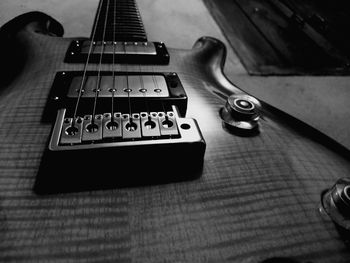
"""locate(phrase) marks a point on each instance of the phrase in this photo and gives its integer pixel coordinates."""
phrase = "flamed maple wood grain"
(257, 197)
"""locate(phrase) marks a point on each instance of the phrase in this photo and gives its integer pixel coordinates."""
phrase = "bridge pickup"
(119, 52)
(118, 158)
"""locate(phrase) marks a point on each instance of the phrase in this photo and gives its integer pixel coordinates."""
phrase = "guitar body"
(257, 197)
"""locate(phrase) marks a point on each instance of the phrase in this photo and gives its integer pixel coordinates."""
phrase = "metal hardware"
(135, 154)
(92, 130)
(120, 52)
(136, 48)
(112, 128)
(122, 127)
(335, 202)
(149, 88)
(168, 125)
(124, 86)
(150, 124)
(241, 114)
(71, 134)
(95, 138)
(131, 126)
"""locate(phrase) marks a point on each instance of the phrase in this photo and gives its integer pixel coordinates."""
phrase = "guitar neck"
(118, 20)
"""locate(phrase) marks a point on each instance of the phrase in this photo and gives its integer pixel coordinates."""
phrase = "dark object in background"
(287, 37)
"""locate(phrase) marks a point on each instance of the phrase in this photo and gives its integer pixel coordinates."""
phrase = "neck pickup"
(85, 51)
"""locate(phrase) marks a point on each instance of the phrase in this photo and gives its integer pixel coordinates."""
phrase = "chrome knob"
(241, 114)
(335, 202)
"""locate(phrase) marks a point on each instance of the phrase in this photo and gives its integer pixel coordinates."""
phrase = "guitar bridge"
(103, 128)
(153, 144)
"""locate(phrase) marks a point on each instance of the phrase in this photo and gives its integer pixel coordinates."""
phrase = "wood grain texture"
(257, 197)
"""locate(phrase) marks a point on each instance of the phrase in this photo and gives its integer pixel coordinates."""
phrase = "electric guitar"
(116, 148)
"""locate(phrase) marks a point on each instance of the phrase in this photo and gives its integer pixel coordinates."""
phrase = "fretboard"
(118, 20)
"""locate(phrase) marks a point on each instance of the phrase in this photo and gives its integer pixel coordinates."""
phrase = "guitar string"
(146, 103)
(123, 46)
(156, 85)
(128, 89)
(98, 83)
(113, 70)
(155, 81)
(83, 81)
(144, 92)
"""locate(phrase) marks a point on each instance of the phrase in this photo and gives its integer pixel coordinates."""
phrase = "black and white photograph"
(175, 131)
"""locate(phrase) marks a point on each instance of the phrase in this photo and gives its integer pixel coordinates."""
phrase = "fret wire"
(128, 20)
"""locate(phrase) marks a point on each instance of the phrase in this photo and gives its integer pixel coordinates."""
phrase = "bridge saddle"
(122, 127)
